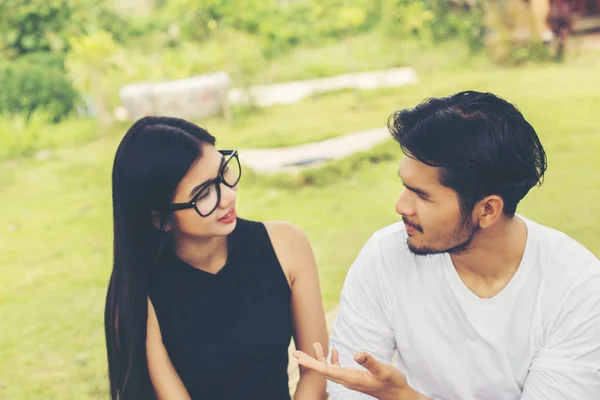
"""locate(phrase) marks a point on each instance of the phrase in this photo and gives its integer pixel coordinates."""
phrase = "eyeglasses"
(206, 201)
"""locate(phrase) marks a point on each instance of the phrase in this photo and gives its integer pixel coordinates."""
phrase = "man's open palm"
(379, 380)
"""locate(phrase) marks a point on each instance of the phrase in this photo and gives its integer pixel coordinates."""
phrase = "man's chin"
(460, 248)
(422, 250)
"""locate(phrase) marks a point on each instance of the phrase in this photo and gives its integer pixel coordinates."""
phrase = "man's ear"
(160, 222)
(489, 210)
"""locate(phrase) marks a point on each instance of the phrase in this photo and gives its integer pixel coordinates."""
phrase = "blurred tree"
(406, 18)
(279, 25)
(349, 18)
(90, 59)
(243, 58)
(195, 18)
(46, 25)
(463, 19)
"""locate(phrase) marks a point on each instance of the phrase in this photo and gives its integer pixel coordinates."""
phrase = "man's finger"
(318, 348)
(370, 363)
(335, 357)
(335, 373)
(309, 362)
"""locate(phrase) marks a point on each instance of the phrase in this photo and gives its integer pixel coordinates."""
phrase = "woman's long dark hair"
(153, 157)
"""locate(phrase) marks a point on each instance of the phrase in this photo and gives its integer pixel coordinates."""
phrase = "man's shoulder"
(391, 239)
(392, 231)
(559, 251)
(388, 246)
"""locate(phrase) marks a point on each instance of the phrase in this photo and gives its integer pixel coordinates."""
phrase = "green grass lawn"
(55, 235)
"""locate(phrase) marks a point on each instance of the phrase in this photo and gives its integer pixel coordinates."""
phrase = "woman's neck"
(207, 254)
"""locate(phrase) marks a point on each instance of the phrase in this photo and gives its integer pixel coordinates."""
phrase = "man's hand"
(380, 380)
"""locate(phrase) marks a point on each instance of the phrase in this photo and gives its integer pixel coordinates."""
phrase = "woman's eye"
(204, 193)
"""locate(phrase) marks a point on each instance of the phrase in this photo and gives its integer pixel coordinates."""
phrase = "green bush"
(47, 25)
(279, 27)
(406, 18)
(312, 22)
(435, 20)
(36, 82)
(463, 22)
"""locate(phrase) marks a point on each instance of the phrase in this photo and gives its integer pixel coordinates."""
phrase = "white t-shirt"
(539, 338)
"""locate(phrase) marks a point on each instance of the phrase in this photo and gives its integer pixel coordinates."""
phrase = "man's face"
(431, 212)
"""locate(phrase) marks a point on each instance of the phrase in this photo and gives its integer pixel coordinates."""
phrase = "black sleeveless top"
(227, 334)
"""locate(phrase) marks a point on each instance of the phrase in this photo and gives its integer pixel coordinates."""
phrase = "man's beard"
(466, 225)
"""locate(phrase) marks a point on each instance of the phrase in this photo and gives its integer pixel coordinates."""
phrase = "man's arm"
(363, 341)
(379, 380)
(365, 319)
(568, 364)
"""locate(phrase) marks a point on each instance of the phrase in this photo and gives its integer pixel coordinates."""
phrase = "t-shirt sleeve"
(568, 364)
(364, 320)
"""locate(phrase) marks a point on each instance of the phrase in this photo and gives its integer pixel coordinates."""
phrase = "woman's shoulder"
(287, 239)
(292, 247)
(275, 229)
(285, 232)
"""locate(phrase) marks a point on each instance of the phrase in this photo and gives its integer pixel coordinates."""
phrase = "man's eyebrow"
(418, 191)
(196, 189)
(413, 189)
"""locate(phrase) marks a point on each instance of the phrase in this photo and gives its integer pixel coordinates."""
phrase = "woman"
(202, 304)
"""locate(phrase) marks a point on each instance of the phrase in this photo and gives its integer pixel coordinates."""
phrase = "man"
(475, 301)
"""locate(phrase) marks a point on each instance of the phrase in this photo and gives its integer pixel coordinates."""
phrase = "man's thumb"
(369, 362)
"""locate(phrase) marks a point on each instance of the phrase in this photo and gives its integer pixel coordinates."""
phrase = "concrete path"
(311, 154)
(295, 91)
(202, 96)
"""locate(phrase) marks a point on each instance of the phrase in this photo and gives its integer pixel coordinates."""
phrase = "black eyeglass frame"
(216, 181)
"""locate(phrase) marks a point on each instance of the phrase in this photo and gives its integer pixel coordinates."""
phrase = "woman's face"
(222, 221)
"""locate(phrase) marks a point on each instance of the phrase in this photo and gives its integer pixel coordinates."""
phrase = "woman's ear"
(160, 222)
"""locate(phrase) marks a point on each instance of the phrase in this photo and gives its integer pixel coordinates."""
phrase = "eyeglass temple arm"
(179, 206)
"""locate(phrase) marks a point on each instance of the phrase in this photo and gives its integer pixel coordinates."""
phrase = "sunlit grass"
(55, 234)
